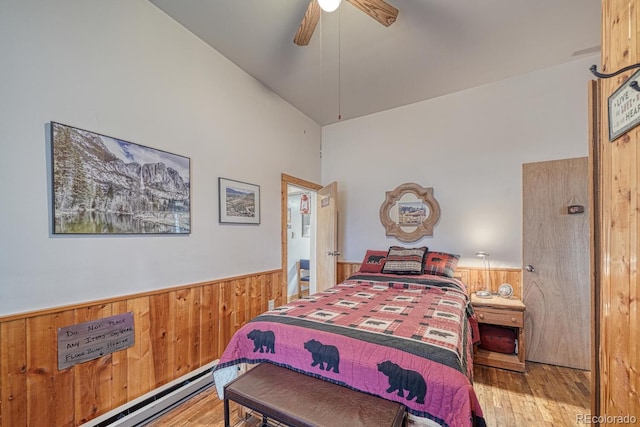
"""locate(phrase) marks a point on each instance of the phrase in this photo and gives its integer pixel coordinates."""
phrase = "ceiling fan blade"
(308, 24)
(379, 10)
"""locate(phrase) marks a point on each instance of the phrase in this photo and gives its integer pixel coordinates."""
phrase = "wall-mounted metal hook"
(634, 84)
(594, 70)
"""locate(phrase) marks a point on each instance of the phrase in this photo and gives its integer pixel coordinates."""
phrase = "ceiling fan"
(379, 10)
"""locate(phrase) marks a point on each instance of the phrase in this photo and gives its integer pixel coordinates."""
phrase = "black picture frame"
(105, 185)
(239, 202)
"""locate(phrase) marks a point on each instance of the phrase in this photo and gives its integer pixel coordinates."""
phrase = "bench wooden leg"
(226, 413)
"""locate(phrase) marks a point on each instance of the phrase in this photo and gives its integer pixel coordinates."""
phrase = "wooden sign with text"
(91, 340)
(624, 109)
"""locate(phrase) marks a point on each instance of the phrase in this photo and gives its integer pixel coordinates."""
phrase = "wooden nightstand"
(503, 312)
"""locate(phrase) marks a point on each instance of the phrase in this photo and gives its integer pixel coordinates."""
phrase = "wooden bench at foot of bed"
(299, 400)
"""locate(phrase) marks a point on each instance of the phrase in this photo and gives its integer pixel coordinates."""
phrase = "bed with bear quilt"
(403, 338)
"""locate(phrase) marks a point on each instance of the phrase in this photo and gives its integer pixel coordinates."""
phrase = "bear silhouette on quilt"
(327, 356)
(404, 379)
(263, 340)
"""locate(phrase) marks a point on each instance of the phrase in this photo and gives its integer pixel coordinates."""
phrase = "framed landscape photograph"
(306, 225)
(104, 185)
(411, 213)
(239, 202)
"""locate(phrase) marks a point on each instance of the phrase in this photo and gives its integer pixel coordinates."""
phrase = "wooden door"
(327, 237)
(556, 263)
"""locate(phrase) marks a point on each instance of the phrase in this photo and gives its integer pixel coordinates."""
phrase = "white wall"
(124, 69)
(469, 146)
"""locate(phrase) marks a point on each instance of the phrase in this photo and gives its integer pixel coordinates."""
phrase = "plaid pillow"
(404, 260)
(440, 263)
(373, 261)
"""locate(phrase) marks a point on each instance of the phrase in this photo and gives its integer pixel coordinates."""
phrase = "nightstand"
(502, 312)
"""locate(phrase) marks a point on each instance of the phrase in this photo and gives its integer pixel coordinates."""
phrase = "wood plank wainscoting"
(473, 277)
(177, 330)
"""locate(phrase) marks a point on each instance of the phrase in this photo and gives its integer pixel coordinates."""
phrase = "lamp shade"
(329, 5)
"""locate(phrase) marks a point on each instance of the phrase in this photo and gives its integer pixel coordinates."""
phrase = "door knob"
(333, 253)
(530, 268)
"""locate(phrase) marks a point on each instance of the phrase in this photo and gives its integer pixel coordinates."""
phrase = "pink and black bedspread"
(403, 338)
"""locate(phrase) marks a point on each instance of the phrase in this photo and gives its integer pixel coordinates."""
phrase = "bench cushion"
(300, 400)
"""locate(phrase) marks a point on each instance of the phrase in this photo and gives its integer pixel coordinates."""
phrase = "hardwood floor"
(544, 396)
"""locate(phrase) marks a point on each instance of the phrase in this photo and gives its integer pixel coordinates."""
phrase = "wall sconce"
(329, 5)
(486, 292)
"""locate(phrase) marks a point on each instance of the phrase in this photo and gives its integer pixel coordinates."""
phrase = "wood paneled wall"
(617, 222)
(473, 277)
(176, 331)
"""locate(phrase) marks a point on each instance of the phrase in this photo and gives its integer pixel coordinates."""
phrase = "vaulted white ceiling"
(354, 66)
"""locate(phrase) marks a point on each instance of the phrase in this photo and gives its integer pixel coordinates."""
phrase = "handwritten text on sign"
(624, 109)
(91, 340)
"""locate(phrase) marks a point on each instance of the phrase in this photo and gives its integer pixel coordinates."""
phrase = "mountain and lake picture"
(239, 202)
(103, 185)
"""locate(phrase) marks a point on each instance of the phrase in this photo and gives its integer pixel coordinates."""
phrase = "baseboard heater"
(150, 406)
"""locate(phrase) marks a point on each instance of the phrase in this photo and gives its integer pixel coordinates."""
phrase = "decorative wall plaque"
(90, 340)
(409, 212)
(624, 108)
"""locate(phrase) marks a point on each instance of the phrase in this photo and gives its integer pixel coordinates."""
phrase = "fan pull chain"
(339, 64)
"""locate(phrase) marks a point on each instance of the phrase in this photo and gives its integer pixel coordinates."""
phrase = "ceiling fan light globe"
(329, 5)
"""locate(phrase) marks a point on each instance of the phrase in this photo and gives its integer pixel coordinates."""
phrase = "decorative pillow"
(373, 261)
(404, 260)
(497, 338)
(440, 263)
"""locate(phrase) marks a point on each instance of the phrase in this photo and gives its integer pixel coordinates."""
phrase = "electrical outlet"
(272, 304)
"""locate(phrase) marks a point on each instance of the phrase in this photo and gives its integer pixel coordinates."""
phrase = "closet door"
(556, 263)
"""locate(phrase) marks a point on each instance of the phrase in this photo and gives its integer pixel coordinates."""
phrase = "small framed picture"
(306, 225)
(239, 202)
(411, 213)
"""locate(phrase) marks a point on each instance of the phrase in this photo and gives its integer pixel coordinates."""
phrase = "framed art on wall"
(409, 212)
(239, 202)
(306, 225)
(104, 185)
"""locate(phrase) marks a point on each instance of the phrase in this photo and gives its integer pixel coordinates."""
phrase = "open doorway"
(298, 234)
(300, 210)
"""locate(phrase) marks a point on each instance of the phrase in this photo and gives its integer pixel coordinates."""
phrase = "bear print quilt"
(403, 338)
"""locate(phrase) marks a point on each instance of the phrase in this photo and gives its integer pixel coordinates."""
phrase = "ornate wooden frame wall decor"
(427, 222)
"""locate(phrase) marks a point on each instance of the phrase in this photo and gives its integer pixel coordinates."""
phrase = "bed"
(403, 337)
